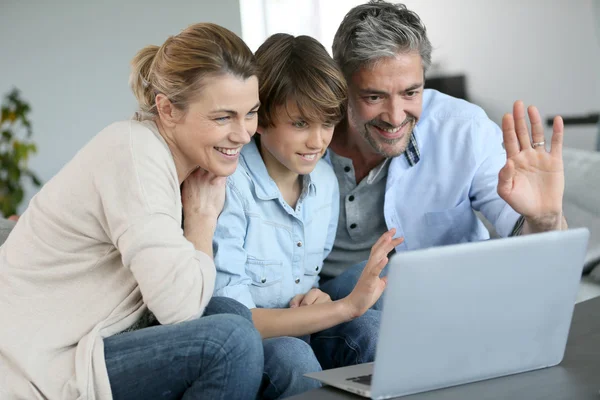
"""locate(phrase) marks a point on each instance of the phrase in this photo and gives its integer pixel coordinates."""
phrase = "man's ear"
(168, 113)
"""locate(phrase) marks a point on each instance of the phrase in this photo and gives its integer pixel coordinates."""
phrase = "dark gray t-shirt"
(361, 220)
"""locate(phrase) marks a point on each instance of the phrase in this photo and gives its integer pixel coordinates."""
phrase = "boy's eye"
(251, 114)
(300, 124)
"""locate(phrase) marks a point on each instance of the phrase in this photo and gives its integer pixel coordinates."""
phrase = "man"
(420, 161)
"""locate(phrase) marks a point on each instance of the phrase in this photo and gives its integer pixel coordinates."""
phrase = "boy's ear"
(260, 130)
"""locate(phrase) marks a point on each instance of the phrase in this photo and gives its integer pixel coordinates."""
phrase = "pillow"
(582, 200)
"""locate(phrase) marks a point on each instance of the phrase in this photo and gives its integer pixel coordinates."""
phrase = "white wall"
(70, 59)
(545, 52)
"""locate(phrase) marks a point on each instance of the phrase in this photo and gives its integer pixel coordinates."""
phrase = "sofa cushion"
(582, 200)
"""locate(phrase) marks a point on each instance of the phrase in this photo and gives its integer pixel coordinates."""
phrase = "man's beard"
(379, 143)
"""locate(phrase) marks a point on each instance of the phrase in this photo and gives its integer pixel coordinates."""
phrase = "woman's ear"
(169, 114)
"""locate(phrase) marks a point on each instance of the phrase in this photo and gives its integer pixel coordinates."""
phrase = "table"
(576, 377)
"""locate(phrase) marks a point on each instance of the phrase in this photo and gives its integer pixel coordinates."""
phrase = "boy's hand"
(314, 296)
(370, 286)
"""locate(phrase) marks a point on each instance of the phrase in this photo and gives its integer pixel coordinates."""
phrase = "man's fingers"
(537, 128)
(511, 143)
(505, 179)
(558, 131)
(521, 125)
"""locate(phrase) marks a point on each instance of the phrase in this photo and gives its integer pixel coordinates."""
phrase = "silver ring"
(538, 144)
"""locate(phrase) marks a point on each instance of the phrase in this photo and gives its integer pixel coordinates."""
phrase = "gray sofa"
(581, 207)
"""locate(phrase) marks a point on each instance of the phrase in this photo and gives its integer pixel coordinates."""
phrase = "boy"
(279, 222)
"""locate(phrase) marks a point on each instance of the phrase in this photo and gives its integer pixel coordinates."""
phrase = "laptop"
(468, 312)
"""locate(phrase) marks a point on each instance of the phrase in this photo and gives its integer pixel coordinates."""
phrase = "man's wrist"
(543, 223)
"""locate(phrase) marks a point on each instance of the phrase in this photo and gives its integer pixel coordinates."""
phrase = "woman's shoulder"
(139, 141)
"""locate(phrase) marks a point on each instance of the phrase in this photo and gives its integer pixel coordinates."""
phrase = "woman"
(101, 243)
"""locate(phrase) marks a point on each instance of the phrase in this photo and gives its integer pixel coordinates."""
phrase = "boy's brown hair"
(299, 69)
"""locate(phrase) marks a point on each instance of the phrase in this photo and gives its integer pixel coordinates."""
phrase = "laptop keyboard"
(365, 379)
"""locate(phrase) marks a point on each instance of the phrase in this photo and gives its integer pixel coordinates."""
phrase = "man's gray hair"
(376, 30)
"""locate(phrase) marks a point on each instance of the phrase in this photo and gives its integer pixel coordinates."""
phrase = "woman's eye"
(222, 119)
(251, 114)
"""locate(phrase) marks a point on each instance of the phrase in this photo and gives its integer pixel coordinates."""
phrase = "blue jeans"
(341, 286)
(287, 359)
(212, 357)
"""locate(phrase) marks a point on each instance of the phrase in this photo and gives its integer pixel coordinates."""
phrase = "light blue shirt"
(431, 203)
(265, 251)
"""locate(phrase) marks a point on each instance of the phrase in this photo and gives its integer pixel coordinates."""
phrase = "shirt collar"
(266, 188)
(412, 153)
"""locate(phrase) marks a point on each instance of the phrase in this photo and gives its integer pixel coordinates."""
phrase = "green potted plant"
(16, 147)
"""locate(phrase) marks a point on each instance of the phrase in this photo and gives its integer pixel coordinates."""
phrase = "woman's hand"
(203, 197)
(370, 286)
(203, 193)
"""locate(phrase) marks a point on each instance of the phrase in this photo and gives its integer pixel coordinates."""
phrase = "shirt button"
(263, 280)
(351, 198)
(317, 268)
(299, 244)
(352, 226)
(297, 280)
(347, 169)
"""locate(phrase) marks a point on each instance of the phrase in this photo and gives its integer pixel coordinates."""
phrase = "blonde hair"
(301, 70)
(177, 68)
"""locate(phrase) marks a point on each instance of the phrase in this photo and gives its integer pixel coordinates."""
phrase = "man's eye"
(412, 93)
(373, 98)
(300, 124)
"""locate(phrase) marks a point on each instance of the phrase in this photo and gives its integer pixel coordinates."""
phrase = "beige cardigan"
(105, 231)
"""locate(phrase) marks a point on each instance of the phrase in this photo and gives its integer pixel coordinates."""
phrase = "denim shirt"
(265, 251)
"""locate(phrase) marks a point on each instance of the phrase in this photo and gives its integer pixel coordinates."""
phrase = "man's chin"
(387, 149)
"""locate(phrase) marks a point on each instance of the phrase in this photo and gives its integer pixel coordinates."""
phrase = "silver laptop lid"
(468, 312)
